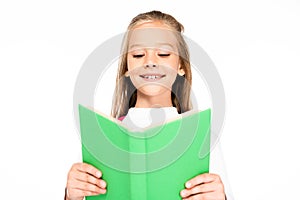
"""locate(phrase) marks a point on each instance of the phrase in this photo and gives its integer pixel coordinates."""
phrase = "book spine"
(138, 166)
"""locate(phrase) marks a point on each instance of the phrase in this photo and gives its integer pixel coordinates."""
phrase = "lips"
(152, 77)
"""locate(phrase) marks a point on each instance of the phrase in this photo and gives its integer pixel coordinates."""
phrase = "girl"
(154, 71)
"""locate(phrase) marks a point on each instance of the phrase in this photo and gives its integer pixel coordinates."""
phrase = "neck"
(162, 100)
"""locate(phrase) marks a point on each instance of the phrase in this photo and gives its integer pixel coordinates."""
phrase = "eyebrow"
(156, 44)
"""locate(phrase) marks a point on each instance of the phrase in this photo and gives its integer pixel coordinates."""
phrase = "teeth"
(151, 77)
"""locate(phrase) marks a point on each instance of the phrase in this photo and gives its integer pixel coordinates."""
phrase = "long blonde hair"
(125, 93)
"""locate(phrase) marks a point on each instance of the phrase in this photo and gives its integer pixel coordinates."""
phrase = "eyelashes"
(142, 55)
(138, 55)
(164, 54)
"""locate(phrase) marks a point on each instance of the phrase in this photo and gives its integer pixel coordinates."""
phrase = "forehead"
(152, 37)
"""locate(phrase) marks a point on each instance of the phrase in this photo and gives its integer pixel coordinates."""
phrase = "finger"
(84, 167)
(85, 186)
(77, 193)
(85, 177)
(207, 196)
(202, 178)
(203, 188)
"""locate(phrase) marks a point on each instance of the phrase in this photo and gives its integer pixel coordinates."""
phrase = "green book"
(148, 164)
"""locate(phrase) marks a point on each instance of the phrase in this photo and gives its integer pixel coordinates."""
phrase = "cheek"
(172, 63)
(170, 79)
(133, 63)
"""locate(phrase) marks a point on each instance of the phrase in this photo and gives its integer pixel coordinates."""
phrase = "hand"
(204, 186)
(84, 180)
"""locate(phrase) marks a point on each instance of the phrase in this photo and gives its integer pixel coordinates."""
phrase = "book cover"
(149, 164)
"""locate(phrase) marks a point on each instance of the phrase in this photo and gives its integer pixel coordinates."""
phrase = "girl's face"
(152, 60)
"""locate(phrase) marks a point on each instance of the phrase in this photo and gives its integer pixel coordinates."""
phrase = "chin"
(153, 90)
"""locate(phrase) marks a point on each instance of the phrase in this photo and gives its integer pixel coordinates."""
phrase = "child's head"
(168, 59)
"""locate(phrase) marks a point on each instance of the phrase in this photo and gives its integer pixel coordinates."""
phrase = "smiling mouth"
(152, 77)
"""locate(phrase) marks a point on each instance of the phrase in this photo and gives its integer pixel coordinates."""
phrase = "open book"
(149, 164)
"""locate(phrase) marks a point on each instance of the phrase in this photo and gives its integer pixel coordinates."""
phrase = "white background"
(254, 44)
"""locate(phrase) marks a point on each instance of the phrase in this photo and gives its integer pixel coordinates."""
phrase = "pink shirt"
(121, 118)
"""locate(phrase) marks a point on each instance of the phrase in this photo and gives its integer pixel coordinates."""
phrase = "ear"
(126, 74)
(180, 71)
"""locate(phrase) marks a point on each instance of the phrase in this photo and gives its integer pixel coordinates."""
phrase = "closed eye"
(164, 54)
(138, 55)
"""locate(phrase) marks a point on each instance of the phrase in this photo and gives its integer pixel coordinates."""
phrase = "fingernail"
(182, 193)
(98, 174)
(188, 184)
(103, 183)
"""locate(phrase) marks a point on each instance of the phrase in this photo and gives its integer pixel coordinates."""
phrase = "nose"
(150, 59)
(150, 65)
